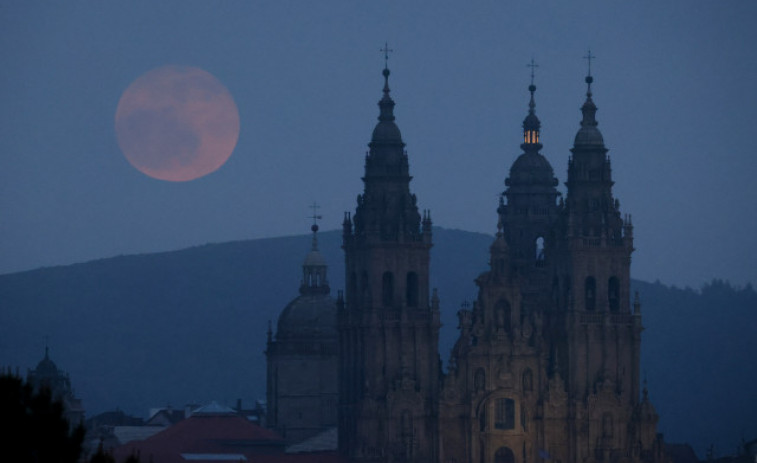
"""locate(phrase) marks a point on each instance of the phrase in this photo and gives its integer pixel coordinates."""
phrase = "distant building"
(47, 375)
(302, 357)
(211, 433)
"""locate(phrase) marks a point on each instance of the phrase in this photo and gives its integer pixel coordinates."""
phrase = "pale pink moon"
(177, 123)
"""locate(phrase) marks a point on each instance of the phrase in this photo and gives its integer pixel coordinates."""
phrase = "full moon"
(177, 123)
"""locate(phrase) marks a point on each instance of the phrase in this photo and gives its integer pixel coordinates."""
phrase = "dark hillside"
(190, 326)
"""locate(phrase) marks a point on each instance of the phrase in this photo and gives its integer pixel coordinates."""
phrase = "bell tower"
(530, 210)
(388, 323)
(599, 245)
(599, 355)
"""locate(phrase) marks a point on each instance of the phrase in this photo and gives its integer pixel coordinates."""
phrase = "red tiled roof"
(214, 434)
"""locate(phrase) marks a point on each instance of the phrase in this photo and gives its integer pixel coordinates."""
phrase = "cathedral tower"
(598, 354)
(498, 371)
(547, 363)
(597, 247)
(388, 323)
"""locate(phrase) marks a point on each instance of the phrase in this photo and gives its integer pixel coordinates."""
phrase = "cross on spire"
(386, 50)
(588, 58)
(315, 215)
(533, 67)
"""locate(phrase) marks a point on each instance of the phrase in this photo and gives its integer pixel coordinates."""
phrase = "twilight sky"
(674, 83)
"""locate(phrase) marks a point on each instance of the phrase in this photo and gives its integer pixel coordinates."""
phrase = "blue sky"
(674, 83)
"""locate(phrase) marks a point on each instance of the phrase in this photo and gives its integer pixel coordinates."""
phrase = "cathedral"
(546, 365)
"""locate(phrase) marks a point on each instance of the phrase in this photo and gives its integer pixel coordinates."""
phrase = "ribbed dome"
(308, 315)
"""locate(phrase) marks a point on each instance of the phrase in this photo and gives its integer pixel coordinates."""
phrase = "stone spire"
(588, 135)
(387, 208)
(386, 131)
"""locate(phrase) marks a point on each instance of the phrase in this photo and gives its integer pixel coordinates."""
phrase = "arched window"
(502, 314)
(504, 414)
(482, 418)
(539, 249)
(411, 291)
(479, 380)
(528, 380)
(613, 294)
(590, 293)
(504, 455)
(387, 289)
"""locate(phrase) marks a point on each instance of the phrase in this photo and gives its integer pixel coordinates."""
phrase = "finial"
(386, 50)
(589, 78)
(47, 348)
(315, 216)
(314, 227)
(533, 67)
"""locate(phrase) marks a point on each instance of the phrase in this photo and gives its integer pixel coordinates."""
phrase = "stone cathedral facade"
(546, 366)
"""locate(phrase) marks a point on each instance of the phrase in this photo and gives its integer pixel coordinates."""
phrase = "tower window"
(504, 414)
(590, 293)
(528, 380)
(387, 289)
(411, 291)
(479, 380)
(502, 314)
(613, 294)
(539, 249)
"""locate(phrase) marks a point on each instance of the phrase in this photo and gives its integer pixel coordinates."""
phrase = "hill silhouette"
(150, 330)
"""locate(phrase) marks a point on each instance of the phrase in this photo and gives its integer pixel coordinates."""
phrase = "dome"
(531, 122)
(532, 168)
(314, 259)
(589, 136)
(308, 315)
(386, 131)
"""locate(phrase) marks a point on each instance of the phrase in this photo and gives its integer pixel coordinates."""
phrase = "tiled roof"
(204, 434)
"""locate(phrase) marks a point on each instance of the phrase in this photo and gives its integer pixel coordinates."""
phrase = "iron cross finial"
(315, 215)
(588, 58)
(386, 50)
(533, 67)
